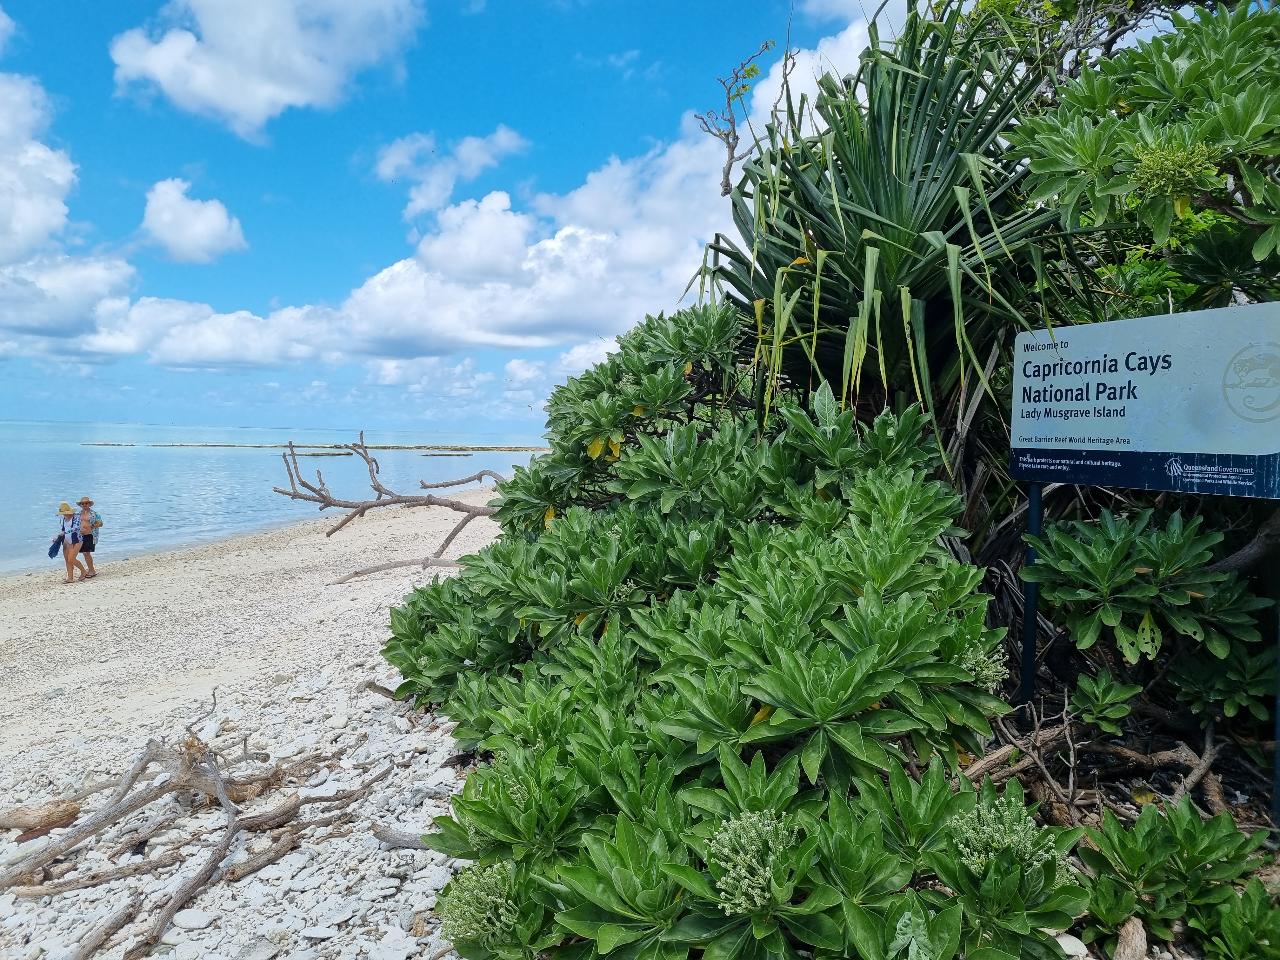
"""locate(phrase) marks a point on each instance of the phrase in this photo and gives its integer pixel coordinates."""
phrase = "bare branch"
(723, 124)
(424, 563)
(474, 478)
(1264, 541)
(320, 494)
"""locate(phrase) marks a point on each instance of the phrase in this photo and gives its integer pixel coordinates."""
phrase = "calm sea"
(156, 498)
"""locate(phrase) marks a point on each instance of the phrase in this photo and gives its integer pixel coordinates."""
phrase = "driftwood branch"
(189, 768)
(423, 564)
(1255, 551)
(399, 839)
(99, 935)
(318, 492)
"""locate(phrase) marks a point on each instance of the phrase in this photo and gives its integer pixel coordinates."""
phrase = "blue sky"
(391, 213)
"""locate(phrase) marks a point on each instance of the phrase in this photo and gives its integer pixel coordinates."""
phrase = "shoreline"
(163, 628)
(141, 553)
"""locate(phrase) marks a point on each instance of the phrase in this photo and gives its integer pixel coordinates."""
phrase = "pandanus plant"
(884, 236)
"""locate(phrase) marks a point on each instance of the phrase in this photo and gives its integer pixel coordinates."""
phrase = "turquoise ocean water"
(157, 498)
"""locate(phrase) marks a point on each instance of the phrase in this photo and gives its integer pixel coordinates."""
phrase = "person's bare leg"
(75, 563)
(88, 559)
(69, 558)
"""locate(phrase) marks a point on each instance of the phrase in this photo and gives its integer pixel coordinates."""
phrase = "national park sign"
(1187, 402)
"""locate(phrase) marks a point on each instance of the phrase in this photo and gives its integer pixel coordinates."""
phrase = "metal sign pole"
(1031, 597)
(1275, 716)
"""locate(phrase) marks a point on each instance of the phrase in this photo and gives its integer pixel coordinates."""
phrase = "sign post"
(1187, 402)
(1031, 596)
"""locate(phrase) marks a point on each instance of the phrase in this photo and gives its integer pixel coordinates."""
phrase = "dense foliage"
(1179, 135)
(728, 663)
(702, 674)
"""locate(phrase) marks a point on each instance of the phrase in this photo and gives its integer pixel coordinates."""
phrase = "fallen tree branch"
(1201, 767)
(1252, 553)
(38, 816)
(238, 871)
(168, 859)
(320, 494)
(424, 563)
(399, 839)
(100, 934)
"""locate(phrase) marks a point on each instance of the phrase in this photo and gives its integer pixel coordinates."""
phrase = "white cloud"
(191, 231)
(481, 240)
(245, 62)
(183, 333)
(435, 172)
(433, 378)
(59, 296)
(7, 29)
(34, 178)
(567, 271)
(578, 358)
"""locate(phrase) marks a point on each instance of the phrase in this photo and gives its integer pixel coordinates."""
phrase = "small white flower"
(746, 849)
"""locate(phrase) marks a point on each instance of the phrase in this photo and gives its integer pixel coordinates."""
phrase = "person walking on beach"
(90, 524)
(70, 536)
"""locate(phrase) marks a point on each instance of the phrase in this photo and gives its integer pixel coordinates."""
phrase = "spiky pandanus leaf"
(884, 236)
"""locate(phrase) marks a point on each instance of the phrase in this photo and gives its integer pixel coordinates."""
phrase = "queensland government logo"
(1251, 383)
(1175, 468)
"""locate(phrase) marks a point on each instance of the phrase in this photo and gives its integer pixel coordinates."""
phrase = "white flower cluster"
(988, 667)
(745, 850)
(993, 827)
(477, 905)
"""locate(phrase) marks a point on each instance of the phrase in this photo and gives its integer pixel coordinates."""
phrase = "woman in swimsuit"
(69, 530)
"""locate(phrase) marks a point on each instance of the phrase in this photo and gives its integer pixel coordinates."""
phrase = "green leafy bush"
(1185, 120)
(1166, 866)
(1102, 702)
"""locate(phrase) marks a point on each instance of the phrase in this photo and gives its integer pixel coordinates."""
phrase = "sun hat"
(65, 508)
(85, 501)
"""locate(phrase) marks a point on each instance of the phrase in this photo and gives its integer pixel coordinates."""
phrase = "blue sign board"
(1187, 402)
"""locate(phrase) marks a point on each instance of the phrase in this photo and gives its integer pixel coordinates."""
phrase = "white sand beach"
(156, 633)
(93, 671)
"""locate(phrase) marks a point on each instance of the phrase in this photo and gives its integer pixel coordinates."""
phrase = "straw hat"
(85, 502)
(65, 509)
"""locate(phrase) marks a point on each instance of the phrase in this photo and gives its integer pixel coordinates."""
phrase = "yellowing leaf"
(1181, 206)
(688, 368)
(1144, 797)
(965, 756)
(639, 410)
(761, 716)
(595, 448)
(579, 618)
(615, 449)
(1198, 596)
(798, 261)
(548, 516)
(1141, 569)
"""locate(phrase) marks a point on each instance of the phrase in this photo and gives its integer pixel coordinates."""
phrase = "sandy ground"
(153, 635)
(90, 673)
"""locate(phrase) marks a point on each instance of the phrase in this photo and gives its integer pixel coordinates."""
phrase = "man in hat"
(90, 524)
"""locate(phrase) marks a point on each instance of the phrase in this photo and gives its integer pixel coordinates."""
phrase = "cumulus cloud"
(34, 178)
(563, 271)
(183, 333)
(245, 62)
(59, 296)
(47, 297)
(434, 172)
(191, 231)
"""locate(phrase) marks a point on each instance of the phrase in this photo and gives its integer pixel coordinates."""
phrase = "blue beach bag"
(55, 547)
